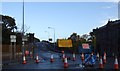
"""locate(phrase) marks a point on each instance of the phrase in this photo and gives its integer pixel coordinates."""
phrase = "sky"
(65, 17)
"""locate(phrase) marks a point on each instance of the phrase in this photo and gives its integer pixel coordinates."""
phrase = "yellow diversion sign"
(65, 43)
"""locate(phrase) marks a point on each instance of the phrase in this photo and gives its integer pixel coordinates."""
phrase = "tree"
(8, 25)
(75, 38)
(93, 38)
(85, 36)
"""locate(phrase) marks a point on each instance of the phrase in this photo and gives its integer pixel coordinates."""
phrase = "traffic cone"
(62, 52)
(104, 58)
(51, 58)
(97, 56)
(74, 57)
(82, 57)
(65, 63)
(101, 63)
(116, 66)
(92, 53)
(31, 55)
(37, 59)
(24, 60)
(63, 57)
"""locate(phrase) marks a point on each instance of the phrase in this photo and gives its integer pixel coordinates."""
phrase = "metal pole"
(23, 30)
(54, 38)
(23, 17)
(23, 46)
(10, 51)
(48, 34)
(14, 50)
(54, 34)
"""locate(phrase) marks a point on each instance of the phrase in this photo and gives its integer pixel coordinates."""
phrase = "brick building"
(108, 38)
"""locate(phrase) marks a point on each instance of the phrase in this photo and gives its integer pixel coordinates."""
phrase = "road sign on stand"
(24, 39)
(85, 46)
(13, 50)
(13, 38)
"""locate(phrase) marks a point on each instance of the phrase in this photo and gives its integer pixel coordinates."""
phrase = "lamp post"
(23, 43)
(54, 34)
(48, 34)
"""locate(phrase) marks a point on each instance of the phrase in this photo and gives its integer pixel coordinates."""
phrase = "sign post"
(23, 43)
(13, 47)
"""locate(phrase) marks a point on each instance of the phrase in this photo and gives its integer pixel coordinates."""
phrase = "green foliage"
(8, 24)
(79, 40)
(93, 38)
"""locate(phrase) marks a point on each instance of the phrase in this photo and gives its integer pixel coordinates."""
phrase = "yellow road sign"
(65, 43)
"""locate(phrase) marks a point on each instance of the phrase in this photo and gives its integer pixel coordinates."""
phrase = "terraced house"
(108, 38)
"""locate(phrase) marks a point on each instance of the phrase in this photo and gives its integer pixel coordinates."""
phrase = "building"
(108, 38)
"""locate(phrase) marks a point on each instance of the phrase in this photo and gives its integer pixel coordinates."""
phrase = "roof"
(110, 23)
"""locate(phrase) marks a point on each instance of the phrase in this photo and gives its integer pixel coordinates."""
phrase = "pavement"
(45, 64)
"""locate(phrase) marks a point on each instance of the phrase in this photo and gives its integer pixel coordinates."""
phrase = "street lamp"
(48, 34)
(54, 34)
(23, 32)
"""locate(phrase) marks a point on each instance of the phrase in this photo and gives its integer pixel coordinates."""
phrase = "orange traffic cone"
(51, 58)
(82, 57)
(65, 63)
(37, 59)
(63, 57)
(101, 63)
(116, 66)
(74, 57)
(97, 56)
(31, 55)
(92, 53)
(62, 52)
(104, 58)
(24, 60)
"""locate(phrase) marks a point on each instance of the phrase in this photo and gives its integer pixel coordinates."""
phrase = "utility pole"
(23, 31)
(23, 18)
(54, 34)
(48, 34)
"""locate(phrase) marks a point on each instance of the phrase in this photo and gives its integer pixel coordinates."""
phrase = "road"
(44, 56)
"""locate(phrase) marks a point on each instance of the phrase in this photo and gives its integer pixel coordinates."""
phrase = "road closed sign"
(85, 46)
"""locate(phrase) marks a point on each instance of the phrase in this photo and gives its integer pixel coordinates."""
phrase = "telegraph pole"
(23, 30)
(23, 18)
